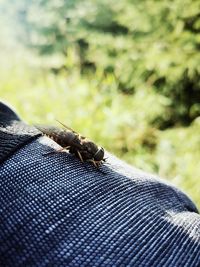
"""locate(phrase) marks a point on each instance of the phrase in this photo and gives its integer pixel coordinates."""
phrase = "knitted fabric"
(57, 211)
(13, 132)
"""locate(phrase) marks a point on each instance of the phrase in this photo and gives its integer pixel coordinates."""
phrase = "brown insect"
(76, 144)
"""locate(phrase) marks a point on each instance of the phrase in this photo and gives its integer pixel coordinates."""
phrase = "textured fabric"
(6, 113)
(13, 132)
(57, 211)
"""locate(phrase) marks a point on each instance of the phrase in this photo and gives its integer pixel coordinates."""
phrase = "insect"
(76, 144)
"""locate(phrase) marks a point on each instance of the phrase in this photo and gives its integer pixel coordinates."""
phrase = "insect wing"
(48, 130)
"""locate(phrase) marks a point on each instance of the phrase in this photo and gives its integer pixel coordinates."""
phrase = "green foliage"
(178, 154)
(151, 45)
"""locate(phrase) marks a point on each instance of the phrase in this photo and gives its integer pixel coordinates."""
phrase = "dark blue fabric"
(13, 133)
(57, 211)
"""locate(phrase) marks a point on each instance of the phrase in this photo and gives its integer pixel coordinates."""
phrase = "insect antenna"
(65, 126)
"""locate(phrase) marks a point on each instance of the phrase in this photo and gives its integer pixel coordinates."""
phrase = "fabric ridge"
(13, 132)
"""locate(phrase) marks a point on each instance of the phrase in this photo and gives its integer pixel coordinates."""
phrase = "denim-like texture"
(57, 211)
(13, 132)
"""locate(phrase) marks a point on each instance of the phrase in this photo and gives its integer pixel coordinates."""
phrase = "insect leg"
(95, 163)
(80, 157)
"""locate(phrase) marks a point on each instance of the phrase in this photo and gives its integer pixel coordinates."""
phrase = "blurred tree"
(143, 44)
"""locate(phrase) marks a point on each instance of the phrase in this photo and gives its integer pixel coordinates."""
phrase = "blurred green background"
(125, 74)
